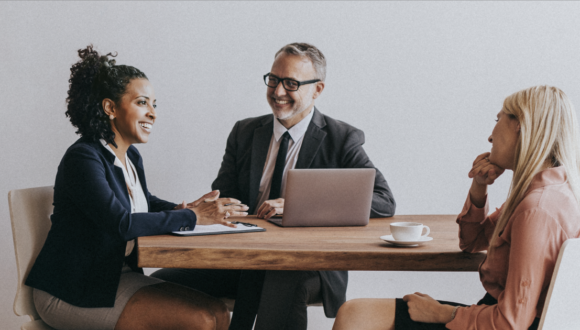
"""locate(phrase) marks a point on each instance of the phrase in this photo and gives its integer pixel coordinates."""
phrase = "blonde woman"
(536, 136)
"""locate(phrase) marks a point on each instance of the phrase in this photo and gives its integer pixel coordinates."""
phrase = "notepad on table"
(201, 230)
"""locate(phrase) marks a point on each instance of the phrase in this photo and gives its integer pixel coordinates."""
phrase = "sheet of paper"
(200, 230)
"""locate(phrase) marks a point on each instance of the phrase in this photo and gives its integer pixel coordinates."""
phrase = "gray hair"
(307, 50)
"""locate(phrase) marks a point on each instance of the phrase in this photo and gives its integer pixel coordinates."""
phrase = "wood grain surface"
(313, 248)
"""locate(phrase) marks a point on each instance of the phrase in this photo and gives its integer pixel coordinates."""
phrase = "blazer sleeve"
(227, 178)
(157, 204)
(354, 156)
(93, 190)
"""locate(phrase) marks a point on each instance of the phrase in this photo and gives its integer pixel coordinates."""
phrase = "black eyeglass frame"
(281, 80)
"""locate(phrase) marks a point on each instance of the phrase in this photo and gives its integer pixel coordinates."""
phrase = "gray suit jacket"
(328, 143)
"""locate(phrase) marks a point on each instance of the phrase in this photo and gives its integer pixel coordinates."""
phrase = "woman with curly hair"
(86, 275)
(536, 136)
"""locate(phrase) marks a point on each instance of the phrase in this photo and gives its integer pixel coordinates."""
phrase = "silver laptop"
(327, 197)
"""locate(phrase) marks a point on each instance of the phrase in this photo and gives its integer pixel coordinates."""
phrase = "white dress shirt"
(294, 144)
(136, 194)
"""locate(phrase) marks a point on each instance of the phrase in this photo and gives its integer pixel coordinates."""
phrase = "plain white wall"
(424, 80)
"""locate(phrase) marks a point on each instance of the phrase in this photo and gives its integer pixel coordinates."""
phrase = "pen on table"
(247, 224)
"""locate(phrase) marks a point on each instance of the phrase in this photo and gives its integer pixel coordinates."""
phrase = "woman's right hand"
(483, 173)
(210, 209)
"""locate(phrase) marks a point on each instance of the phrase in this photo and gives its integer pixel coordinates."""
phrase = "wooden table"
(313, 248)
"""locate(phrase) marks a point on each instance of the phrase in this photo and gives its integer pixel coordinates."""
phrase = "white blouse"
(136, 194)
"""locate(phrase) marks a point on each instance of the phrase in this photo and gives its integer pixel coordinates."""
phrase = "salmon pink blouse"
(519, 269)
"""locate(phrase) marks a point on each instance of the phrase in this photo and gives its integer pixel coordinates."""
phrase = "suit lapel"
(312, 140)
(260, 145)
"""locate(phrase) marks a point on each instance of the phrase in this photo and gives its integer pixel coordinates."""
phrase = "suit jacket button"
(186, 228)
(181, 229)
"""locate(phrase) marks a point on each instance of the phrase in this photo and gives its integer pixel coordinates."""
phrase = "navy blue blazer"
(83, 255)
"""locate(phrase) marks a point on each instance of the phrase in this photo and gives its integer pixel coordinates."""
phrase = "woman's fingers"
(238, 214)
(180, 206)
(480, 157)
(491, 176)
(228, 224)
(234, 207)
(237, 210)
(239, 207)
(493, 172)
(479, 161)
(477, 168)
(211, 209)
(407, 297)
(209, 197)
(485, 169)
(227, 200)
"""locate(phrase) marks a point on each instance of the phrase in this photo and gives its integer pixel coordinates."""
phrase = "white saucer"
(390, 239)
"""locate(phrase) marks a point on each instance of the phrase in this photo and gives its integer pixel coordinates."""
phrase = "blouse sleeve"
(475, 228)
(535, 240)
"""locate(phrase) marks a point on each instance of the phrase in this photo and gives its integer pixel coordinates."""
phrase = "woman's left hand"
(423, 308)
(180, 206)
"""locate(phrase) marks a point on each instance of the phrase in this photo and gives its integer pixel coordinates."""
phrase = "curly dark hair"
(93, 79)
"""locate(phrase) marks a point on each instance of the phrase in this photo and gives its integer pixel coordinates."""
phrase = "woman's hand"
(270, 208)
(423, 308)
(210, 209)
(483, 173)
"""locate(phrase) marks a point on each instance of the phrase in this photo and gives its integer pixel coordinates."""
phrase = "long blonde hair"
(548, 133)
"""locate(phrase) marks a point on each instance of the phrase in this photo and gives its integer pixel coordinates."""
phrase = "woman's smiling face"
(134, 113)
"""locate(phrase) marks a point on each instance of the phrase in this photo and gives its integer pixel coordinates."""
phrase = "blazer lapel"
(138, 162)
(118, 173)
(136, 159)
(260, 145)
(312, 140)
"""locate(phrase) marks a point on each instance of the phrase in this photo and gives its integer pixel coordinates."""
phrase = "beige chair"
(30, 211)
(563, 298)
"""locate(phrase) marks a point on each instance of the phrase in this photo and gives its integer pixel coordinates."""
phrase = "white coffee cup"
(408, 231)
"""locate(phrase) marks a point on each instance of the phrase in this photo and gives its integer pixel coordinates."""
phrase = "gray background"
(424, 80)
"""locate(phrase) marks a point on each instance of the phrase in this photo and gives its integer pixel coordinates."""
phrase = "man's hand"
(270, 208)
(423, 308)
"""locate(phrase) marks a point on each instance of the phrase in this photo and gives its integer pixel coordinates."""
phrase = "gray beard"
(292, 114)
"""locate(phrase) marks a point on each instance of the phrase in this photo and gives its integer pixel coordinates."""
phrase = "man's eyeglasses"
(289, 84)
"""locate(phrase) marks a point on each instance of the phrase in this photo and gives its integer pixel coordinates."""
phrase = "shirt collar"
(117, 161)
(296, 132)
(549, 176)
